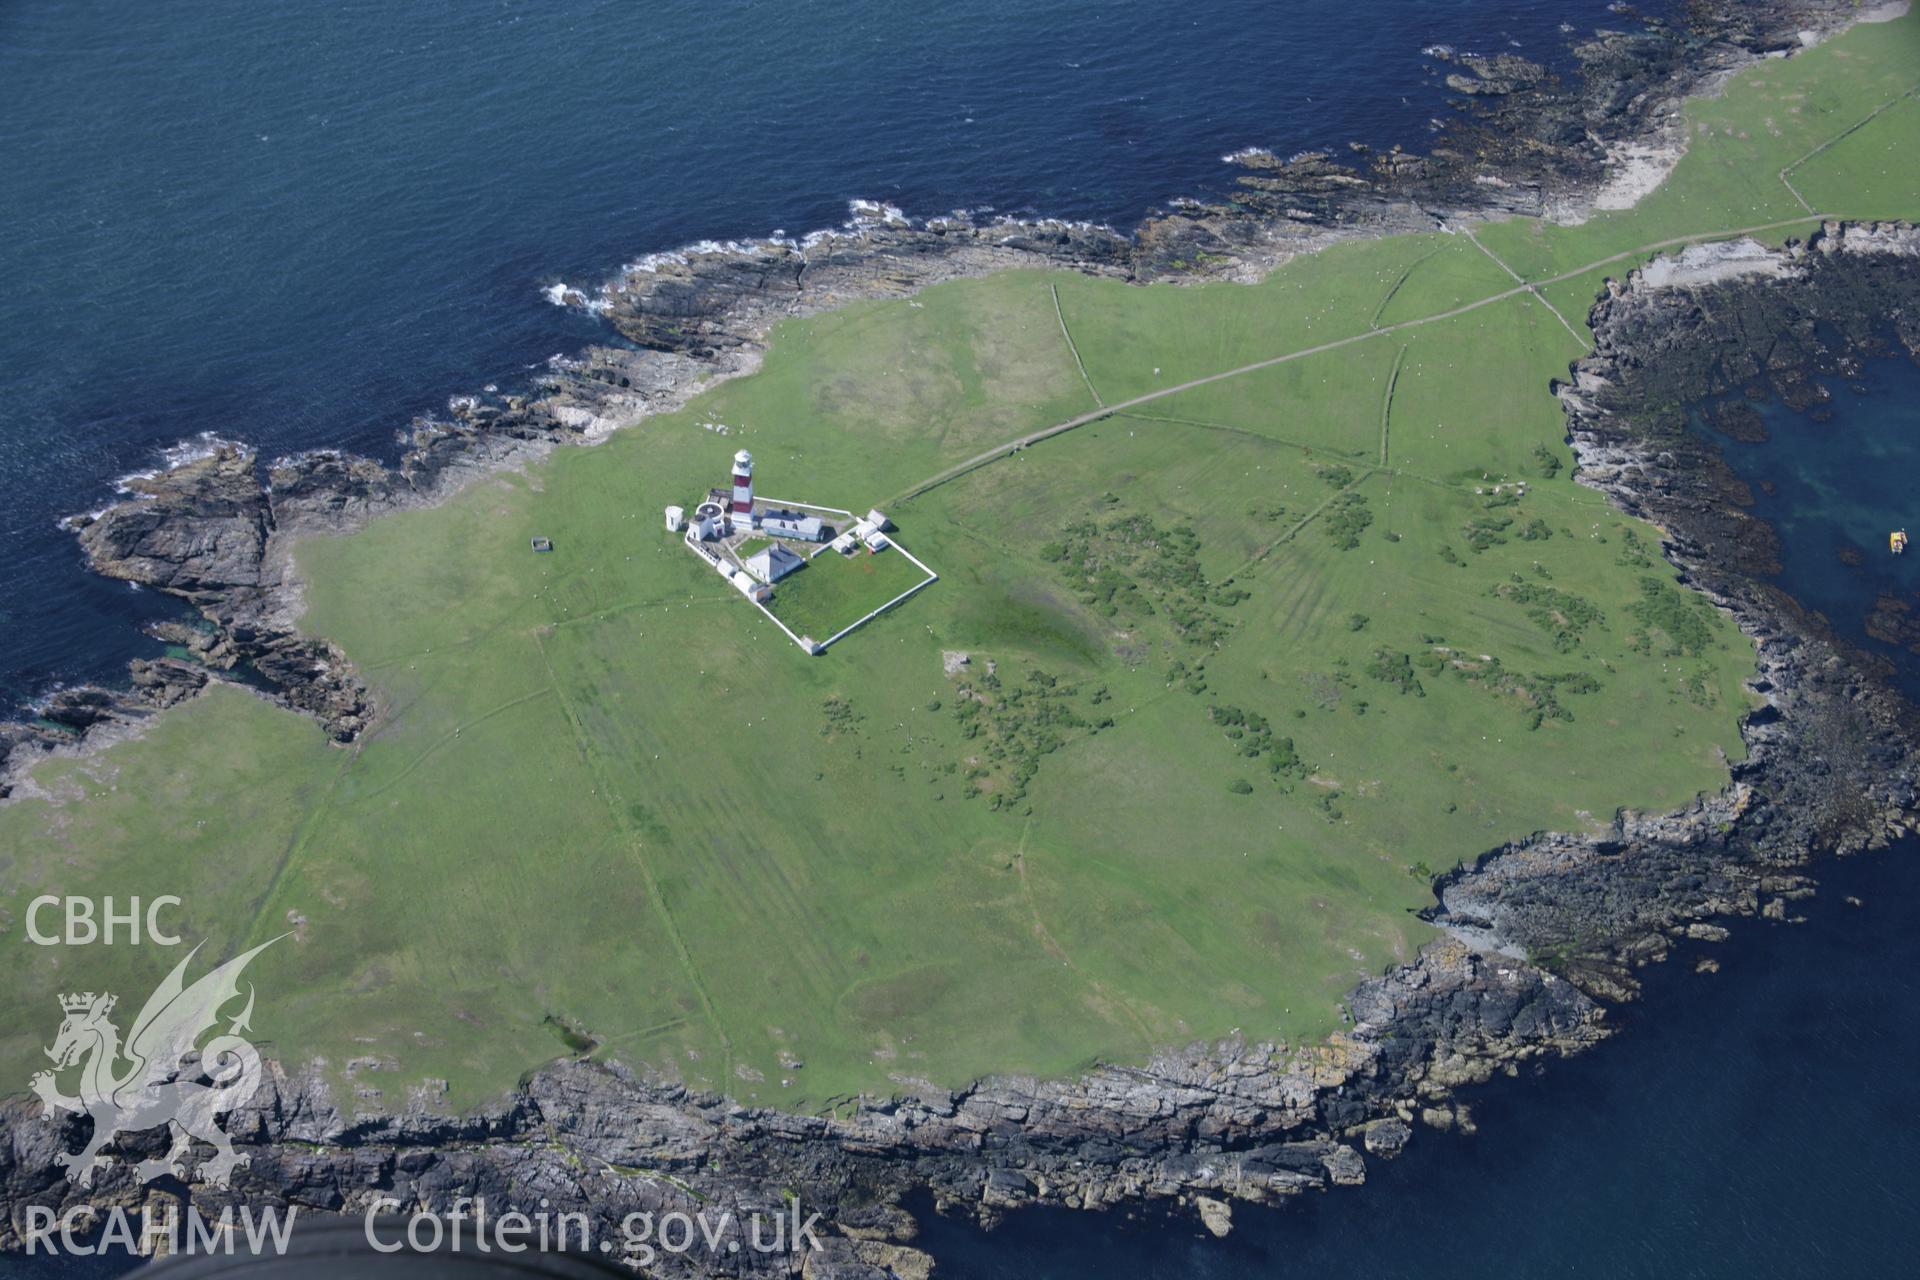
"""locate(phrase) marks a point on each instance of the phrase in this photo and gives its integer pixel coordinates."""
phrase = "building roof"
(772, 563)
(796, 523)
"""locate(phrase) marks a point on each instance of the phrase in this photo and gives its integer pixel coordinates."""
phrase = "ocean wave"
(204, 445)
(680, 257)
(562, 294)
(863, 217)
(875, 211)
(67, 524)
(175, 456)
(172, 458)
(305, 456)
(1246, 155)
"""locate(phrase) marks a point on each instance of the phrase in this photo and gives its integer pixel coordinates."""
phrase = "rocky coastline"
(1831, 765)
(1545, 934)
(1541, 935)
(214, 530)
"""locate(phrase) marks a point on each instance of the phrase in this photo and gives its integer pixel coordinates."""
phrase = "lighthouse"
(743, 484)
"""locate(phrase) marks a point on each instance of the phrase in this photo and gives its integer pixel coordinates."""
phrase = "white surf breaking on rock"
(173, 457)
(562, 294)
(863, 218)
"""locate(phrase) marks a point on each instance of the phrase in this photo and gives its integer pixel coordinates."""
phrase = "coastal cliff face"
(1543, 933)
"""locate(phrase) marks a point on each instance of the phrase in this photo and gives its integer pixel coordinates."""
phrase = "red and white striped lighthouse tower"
(742, 483)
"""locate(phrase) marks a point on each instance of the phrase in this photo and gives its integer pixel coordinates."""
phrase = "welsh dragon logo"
(139, 1084)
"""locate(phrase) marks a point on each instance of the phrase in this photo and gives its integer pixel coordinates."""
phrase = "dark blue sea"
(300, 225)
(1754, 1124)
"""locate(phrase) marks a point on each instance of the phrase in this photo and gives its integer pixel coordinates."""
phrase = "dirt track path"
(1014, 446)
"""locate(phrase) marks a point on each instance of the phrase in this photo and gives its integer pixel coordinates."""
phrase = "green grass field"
(1247, 663)
(834, 591)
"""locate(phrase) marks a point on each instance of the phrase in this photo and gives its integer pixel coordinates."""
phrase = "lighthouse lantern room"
(743, 484)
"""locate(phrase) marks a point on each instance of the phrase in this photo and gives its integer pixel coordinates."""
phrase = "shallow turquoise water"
(1845, 483)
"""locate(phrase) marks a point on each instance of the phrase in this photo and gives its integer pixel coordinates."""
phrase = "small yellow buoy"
(1898, 540)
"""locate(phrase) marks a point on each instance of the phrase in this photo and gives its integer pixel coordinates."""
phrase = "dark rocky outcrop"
(201, 531)
(1528, 140)
(1896, 620)
(82, 719)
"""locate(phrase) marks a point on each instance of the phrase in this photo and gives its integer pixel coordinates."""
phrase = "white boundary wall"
(719, 567)
(783, 626)
(927, 581)
(819, 646)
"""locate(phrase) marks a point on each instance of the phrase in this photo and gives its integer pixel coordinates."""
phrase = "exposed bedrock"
(201, 532)
(1528, 140)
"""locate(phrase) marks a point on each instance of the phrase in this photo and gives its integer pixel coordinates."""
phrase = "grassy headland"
(1249, 661)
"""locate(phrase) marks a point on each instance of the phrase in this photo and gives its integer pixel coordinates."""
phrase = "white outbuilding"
(676, 519)
(798, 525)
(772, 563)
